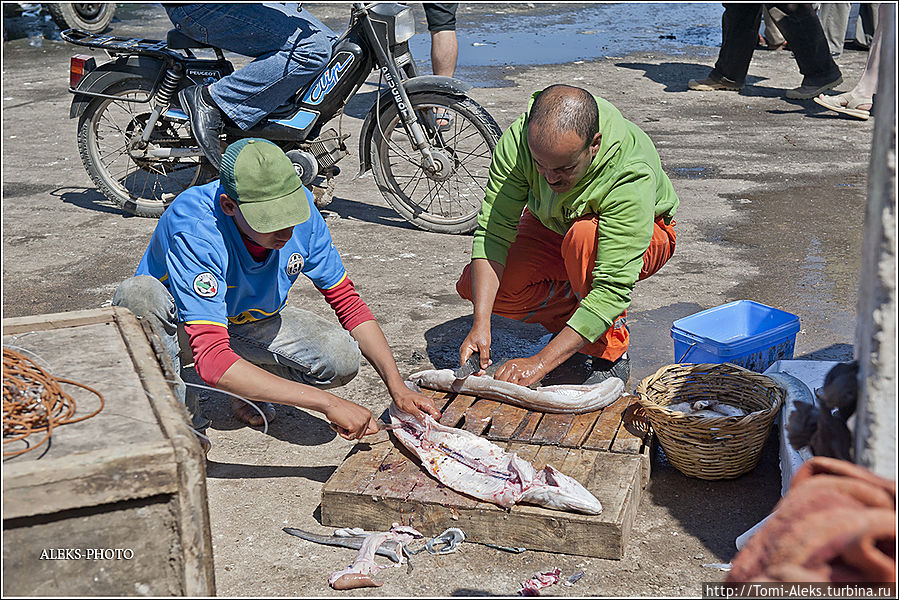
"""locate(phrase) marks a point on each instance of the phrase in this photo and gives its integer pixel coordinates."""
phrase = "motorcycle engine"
(328, 148)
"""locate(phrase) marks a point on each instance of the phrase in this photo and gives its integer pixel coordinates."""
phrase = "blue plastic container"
(744, 333)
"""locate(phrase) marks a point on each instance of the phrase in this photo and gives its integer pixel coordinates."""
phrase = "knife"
(472, 365)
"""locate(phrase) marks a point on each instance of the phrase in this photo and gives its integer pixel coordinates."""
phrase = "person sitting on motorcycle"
(220, 264)
(290, 47)
(577, 210)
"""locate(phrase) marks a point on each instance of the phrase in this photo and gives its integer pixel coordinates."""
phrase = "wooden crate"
(380, 482)
(116, 505)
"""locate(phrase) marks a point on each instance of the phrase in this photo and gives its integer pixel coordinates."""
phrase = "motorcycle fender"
(106, 75)
(415, 85)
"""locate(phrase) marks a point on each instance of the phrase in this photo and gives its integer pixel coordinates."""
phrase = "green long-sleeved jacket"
(624, 186)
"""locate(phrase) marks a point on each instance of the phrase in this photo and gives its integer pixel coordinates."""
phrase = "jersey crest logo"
(205, 285)
(294, 264)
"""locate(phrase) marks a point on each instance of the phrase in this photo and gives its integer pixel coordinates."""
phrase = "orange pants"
(547, 274)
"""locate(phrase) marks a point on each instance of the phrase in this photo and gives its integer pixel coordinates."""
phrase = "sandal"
(245, 413)
(443, 119)
(847, 104)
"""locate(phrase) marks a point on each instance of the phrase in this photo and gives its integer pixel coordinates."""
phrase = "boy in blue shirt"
(220, 264)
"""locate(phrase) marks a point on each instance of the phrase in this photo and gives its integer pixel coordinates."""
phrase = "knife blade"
(472, 365)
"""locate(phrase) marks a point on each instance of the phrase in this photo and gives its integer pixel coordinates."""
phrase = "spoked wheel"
(446, 200)
(141, 178)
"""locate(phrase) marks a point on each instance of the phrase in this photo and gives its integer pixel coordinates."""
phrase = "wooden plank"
(505, 422)
(479, 416)
(552, 429)
(88, 479)
(580, 429)
(395, 476)
(78, 318)
(455, 410)
(358, 469)
(611, 477)
(606, 426)
(525, 430)
(550, 455)
(579, 464)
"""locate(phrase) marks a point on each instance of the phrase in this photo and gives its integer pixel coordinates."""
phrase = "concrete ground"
(772, 205)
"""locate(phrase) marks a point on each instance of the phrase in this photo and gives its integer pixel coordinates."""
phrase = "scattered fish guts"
(553, 398)
(390, 548)
(472, 465)
(359, 573)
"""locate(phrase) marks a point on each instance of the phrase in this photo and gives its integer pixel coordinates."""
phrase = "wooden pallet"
(381, 482)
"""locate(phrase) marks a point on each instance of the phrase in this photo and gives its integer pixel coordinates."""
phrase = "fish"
(479, 468)
(358, 574)
(568, 399)
(708, 409)
(389, 548)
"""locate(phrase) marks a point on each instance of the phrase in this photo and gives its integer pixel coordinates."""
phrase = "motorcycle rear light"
(79, 66)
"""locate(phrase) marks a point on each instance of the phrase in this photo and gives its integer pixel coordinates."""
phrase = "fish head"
(557, 490)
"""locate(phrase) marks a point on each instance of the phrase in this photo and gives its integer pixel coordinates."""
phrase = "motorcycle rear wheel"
(448, 203)
(109, 133)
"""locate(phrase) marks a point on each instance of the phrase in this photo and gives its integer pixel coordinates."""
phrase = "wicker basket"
(711, 447)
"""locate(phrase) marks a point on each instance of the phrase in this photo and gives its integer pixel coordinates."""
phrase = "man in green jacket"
(577, 210)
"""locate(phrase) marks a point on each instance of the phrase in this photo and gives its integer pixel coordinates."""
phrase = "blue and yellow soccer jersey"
(198, 253)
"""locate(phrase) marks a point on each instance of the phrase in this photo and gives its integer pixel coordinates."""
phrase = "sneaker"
(809, 91)
(603, 369)
(714, 84)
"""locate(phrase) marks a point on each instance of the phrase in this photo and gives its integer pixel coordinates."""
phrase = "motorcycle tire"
(449, 202)
(138, 184)
(93, 17)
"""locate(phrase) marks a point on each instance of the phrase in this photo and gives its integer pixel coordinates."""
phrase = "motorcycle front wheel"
(448, 201)
(137, 176)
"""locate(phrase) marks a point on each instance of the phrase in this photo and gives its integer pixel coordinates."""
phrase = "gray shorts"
(441, 17)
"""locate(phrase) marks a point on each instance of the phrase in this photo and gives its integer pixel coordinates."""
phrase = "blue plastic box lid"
(736, 326)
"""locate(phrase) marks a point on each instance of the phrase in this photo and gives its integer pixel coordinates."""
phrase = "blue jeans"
(294, 344)
(290, 47)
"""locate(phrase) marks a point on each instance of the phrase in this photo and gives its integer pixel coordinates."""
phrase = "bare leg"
(444, 52)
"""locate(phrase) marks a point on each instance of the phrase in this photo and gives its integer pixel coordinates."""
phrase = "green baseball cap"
(257, 175)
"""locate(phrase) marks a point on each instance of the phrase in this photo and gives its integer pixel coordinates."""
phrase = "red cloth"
(836, 523)
(543, 268)
(347, 304)
(211, 347)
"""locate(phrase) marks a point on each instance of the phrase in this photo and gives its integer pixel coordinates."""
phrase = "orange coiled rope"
(33, 401)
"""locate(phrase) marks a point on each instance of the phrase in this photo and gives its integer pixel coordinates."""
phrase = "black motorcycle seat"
(178, 41)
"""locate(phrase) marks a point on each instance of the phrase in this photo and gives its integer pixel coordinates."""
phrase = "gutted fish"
(472, 465)
(553, 398)
(358, 574)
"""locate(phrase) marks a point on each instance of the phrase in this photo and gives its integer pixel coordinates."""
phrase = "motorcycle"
(428, 144)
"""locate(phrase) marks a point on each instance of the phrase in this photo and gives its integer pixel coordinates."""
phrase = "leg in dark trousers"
(739, 34)
(800, 26)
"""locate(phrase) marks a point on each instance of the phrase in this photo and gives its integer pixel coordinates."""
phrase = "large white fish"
(477, 467)
(552, 398)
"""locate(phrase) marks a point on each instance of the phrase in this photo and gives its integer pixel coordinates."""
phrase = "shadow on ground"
(716, 512)
(369, 213)
(219, 470)
(510, 339)
(90, 199)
